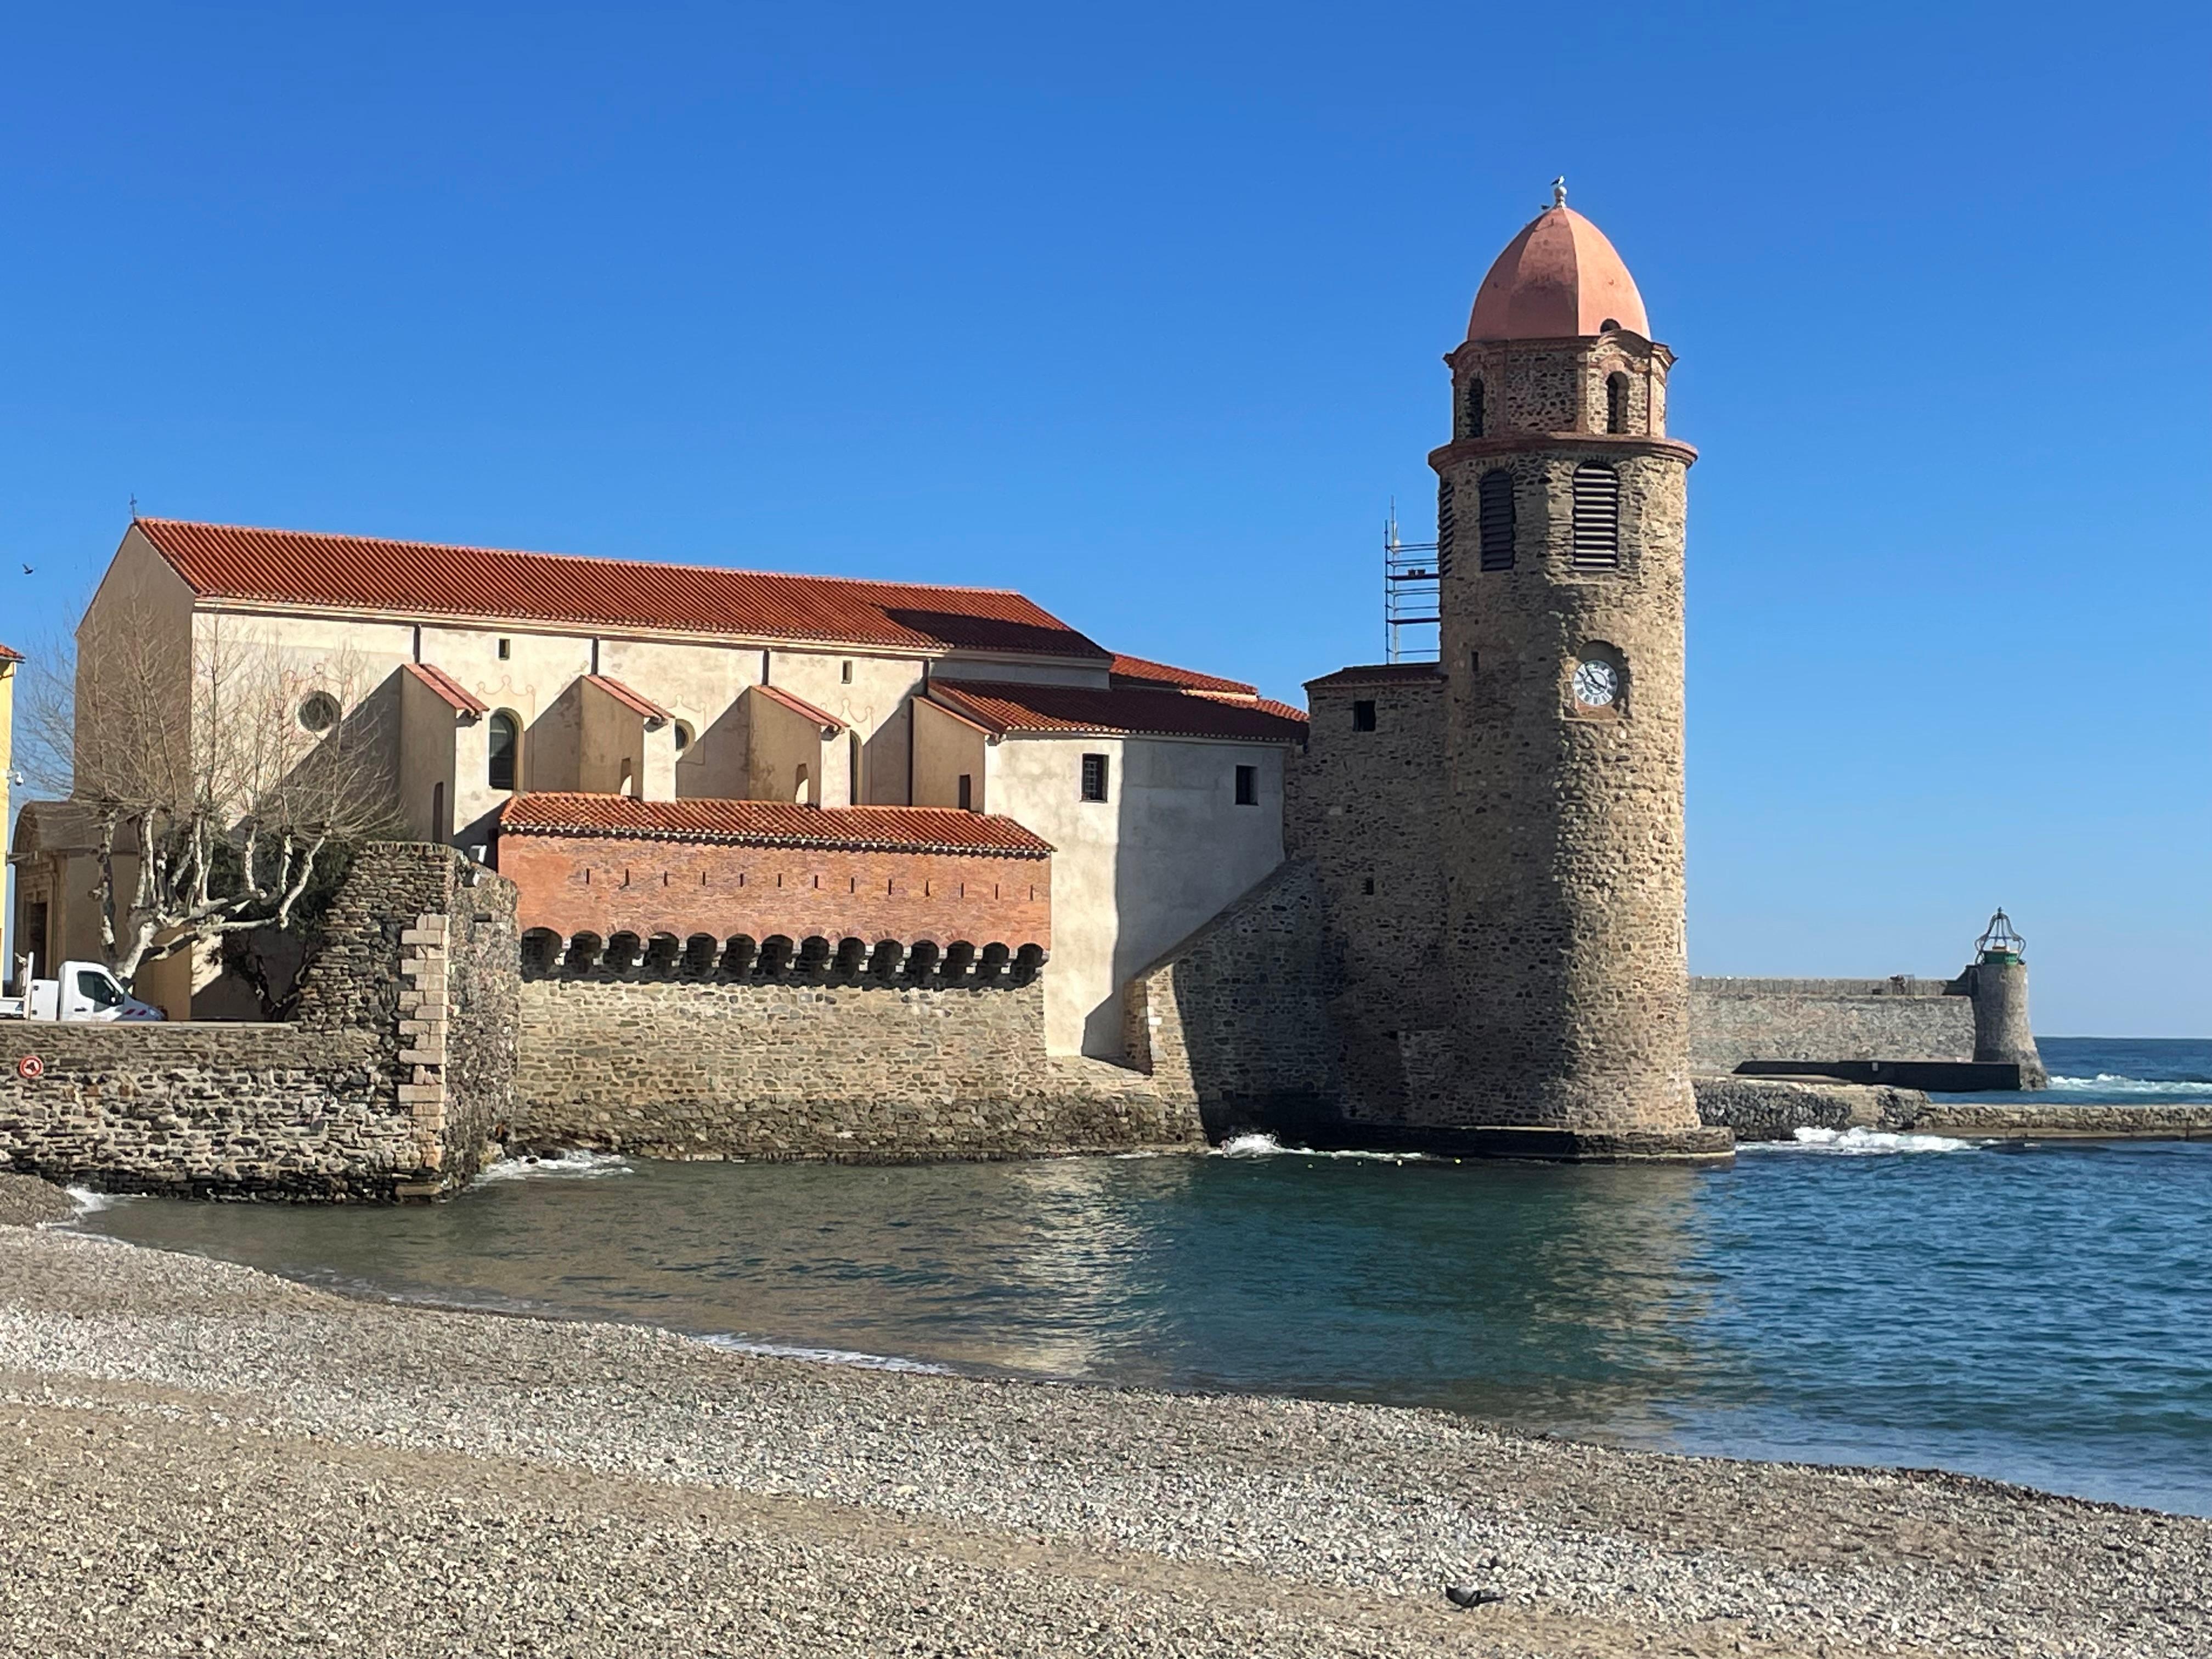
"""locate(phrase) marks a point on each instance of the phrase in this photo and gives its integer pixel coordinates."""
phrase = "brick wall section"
(1235, 1018)
(671, 1067)
(575, 885)
(1733, 1020)
(386, 1087)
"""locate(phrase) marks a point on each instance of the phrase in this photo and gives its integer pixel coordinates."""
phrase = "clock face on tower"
(1596, 684)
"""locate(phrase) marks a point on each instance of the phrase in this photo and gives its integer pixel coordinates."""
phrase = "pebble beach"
(203, 1458)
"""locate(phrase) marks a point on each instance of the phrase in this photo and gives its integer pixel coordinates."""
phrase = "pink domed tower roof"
(1559, 277)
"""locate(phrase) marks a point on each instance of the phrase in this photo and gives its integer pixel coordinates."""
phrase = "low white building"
(475, 674)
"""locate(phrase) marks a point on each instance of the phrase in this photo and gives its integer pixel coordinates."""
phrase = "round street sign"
(30, 1068)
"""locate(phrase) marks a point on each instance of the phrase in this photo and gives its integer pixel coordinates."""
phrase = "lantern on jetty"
(2000, 942)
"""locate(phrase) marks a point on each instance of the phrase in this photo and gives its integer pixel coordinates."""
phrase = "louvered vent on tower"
(1495, 503)
(1597, 518)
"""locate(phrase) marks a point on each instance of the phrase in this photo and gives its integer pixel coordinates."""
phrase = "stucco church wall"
(670, 1068)
(1733, 1020)
(1134, 874)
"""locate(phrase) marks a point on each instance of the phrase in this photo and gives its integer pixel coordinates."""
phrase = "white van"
(84, 991)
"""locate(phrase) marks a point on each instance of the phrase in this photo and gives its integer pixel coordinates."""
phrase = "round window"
(318, 711)
(683, 735)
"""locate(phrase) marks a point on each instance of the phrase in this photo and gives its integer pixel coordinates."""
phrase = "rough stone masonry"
(397, 1071)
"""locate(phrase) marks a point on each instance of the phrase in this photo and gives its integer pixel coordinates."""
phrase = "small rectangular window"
(1363, 715)
(1247, 785)
(1094, 777)
(1367, 885)
(1474, 662)
(845, 673)
(506, 649)
(967, 792)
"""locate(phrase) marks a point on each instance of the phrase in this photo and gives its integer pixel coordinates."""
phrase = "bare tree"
(215, 770)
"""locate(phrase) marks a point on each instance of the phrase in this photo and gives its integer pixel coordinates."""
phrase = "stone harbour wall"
(388, 1085)
(831, 1068)
(1733, 1020)
(1236, 1018)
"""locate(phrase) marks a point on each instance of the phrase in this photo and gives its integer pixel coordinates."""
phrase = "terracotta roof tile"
(771, 824)
(1140, 670)
(799, 705)
(6, 655)
(463, 699)
(1379, 673)
(1138, 711)
(636, 702)
(364, 572)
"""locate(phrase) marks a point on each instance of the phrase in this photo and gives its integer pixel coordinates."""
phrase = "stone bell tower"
(1561, 512)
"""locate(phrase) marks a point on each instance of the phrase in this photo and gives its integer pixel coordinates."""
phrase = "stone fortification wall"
(1236, 1018)
(388, 1085)
(818, 1066)
(1733, 1020)
(1362, 807)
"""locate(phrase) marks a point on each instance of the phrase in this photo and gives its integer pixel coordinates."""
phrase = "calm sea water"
(2040, 1314)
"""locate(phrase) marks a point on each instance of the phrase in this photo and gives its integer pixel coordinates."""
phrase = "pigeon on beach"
(1471, 1595)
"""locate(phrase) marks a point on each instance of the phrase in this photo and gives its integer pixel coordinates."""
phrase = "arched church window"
(1475, 409)
(505, 732)
(1495, 503)
(1597, 518)
(1616, 402)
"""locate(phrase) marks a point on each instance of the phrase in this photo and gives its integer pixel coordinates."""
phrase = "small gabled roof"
(1143, 671)
(6, 655)
(1377, 673)
(1136, 711)
(464, 701)
(799, 705)
(771, 824)
(635, 702)
(368, 573)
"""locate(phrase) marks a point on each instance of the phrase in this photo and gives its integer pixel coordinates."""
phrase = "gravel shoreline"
(204, 1457)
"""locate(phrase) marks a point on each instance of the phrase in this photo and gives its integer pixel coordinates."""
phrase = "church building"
(592, 725)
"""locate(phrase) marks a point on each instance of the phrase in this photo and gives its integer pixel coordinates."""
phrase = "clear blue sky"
(1141, 312)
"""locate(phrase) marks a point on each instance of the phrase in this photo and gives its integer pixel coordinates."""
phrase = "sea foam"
(1266, 1146)
(1858, 1142)
(2107, 1083)
(866, 1362)
(574, 1165)
(88, 1202)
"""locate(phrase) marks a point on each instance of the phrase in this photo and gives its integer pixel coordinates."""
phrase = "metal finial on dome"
(2001, 943)
(1559, 190)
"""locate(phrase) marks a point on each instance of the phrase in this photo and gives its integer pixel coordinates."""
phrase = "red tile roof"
(1140, 670)
(800, 707)
(1379, 673)
(361, 572)
(10, 656)
(636, 702)
(771, 824)
(463, 699)
(1133, 709)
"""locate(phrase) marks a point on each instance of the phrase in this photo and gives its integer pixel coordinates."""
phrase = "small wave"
(2108, 1083)
(88, 1202)
(866, 1362)
(1858, 1142)
(585, 1165)
(1266, 1146)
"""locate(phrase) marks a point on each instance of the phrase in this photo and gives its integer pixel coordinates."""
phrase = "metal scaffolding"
(1412, 596)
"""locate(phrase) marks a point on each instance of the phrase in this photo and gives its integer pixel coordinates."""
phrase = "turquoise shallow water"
(2036, 1314)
